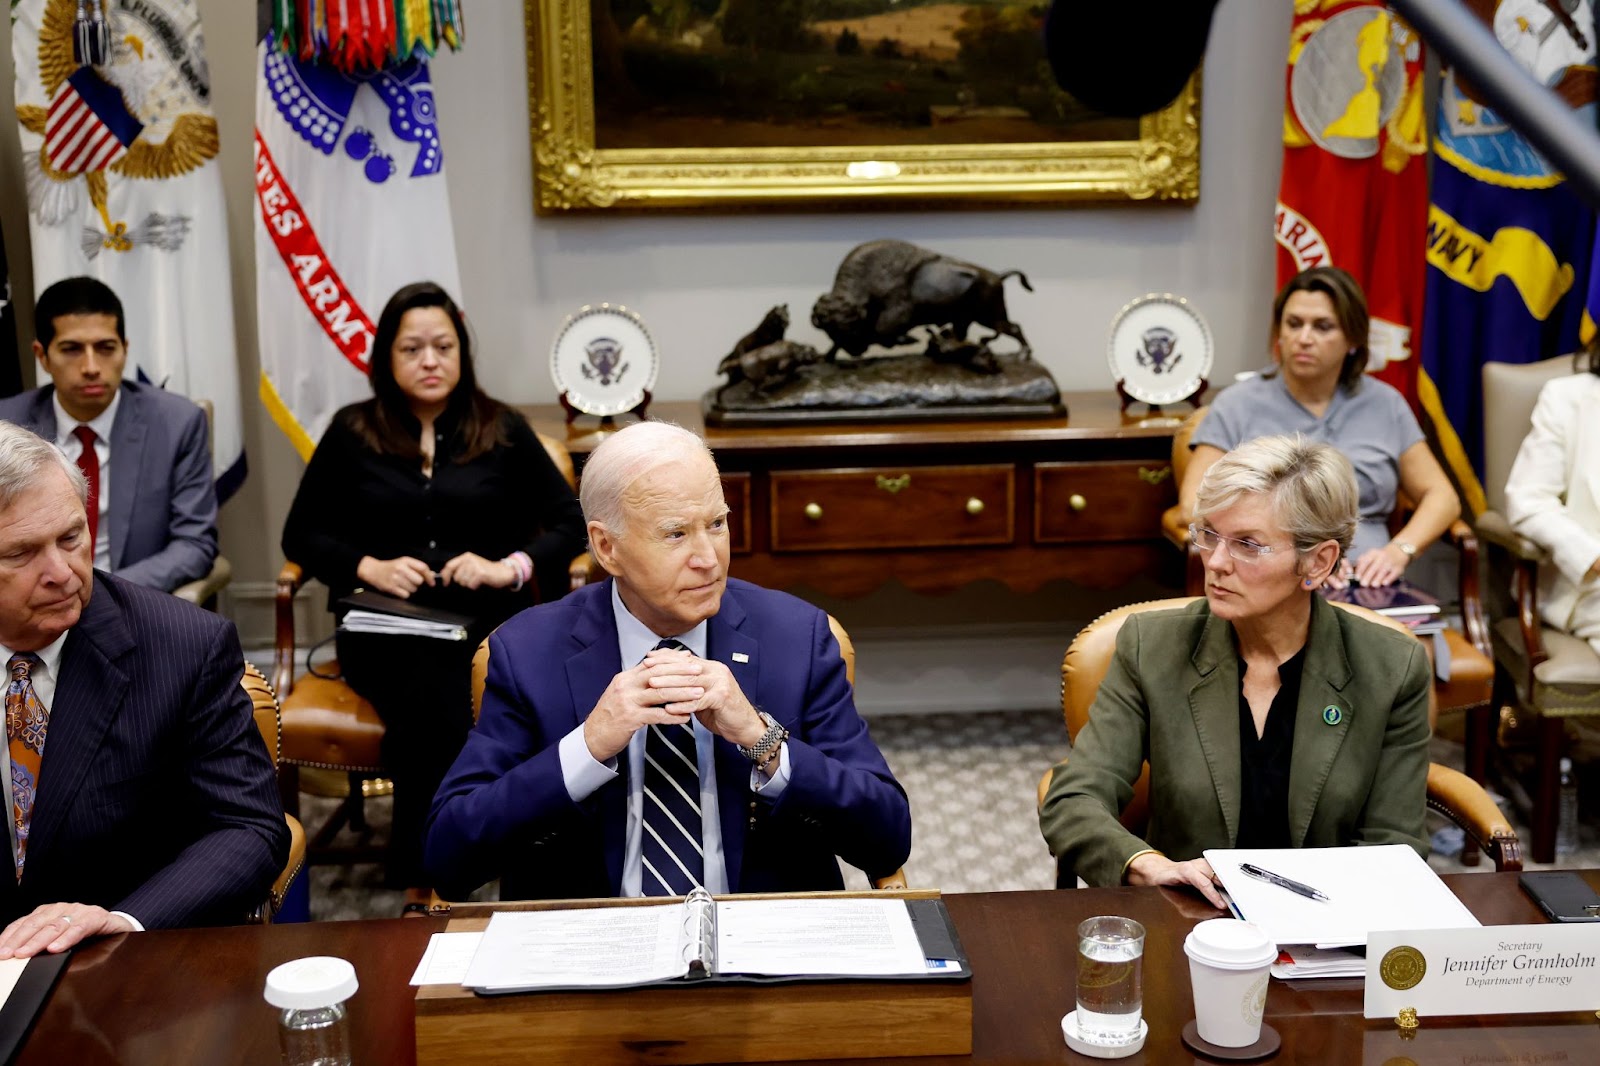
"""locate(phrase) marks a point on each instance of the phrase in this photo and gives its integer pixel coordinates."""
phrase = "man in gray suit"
(145, 451)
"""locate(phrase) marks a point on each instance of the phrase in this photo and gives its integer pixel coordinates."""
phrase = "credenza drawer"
(1120, 500)
(736, 490)
(892, 507)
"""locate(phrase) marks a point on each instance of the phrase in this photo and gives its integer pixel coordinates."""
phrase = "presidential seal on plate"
(1160, 351)
(603, 361)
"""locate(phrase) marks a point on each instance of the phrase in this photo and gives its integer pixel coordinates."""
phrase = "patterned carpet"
(972, 780)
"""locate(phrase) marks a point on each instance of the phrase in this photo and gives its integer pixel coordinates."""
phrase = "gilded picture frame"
(575, 172)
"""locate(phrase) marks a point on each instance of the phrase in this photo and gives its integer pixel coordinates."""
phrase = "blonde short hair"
(1311, 486)
(623, 458)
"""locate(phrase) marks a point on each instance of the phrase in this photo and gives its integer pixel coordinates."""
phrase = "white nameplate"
(1498, 969)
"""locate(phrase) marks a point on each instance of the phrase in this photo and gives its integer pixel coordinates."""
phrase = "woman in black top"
(433, 492)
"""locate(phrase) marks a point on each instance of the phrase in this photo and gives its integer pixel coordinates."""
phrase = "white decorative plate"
(603, 359)
(1160, 348)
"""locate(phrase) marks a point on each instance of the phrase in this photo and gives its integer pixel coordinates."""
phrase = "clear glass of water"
(1110, 979)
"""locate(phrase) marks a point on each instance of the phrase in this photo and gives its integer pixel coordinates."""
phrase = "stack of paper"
(373, 622)
(1303, 960)
(1383, 887)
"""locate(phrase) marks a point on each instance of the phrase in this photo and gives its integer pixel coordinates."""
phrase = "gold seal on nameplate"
(1402, 967)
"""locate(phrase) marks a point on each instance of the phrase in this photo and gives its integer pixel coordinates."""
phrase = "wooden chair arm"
(1464, 802)
(584, 570)
(290, 578)
(1473, 620)
(893, 881)
(1044, 787)
(1175, 527)
(1493, 527)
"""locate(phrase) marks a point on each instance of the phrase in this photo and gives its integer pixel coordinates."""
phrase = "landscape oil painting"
(814, 73)
(684, 103)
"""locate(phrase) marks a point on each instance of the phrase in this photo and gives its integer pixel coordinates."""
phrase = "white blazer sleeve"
(1536, 491)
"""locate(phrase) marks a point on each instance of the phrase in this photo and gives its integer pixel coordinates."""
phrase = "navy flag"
(1509, 244)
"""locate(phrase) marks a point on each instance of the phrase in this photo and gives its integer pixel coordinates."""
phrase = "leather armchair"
(265, 703)
(1450, 792)
(1544, 674)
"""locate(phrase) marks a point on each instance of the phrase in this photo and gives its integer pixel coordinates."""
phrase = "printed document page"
(1387, 886)
(10, 974)
(800, 937)
(605, 947)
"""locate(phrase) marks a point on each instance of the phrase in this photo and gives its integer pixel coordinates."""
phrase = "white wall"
(701, 281)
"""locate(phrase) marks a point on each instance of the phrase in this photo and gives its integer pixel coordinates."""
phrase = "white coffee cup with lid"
(1229, 961)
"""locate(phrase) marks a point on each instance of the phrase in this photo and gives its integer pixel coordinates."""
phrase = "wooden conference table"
(194, 996)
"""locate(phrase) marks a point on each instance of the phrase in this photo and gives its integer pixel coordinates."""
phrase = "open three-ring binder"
(707, 940)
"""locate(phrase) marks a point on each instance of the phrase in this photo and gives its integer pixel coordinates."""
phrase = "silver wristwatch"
(762, 750)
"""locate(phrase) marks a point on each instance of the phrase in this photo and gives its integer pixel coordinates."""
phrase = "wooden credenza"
(937, 505)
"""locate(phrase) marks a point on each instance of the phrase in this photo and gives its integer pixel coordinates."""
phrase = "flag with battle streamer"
(1354, 190)
(351, 204)
(119, 151)
(1509, 242)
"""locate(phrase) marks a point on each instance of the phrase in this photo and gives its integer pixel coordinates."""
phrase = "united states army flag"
(123, 185)
(351, 205)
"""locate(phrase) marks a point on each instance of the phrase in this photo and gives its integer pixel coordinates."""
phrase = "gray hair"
(25, 456)
(622, 458)
(1311, 486)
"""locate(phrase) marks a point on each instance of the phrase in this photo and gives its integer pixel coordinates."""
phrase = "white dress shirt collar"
(101, 423)
(635, 639)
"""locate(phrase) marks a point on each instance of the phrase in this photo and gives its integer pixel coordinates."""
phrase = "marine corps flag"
(350, 205)
(1508, 242)
(119, 147)
(1354, 192)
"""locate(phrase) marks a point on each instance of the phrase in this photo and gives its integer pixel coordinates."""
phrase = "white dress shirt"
(72, 447)
(584, 775)
(44, 677)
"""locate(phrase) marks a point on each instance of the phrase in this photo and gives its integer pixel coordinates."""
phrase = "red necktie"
(89, 463)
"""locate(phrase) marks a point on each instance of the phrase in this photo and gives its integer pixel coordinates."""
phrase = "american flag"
(89, 126)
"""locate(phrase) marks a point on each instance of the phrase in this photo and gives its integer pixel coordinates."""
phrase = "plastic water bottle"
(310, 994)
(1567, 811)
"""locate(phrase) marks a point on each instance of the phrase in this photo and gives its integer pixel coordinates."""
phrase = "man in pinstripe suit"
(139, 792)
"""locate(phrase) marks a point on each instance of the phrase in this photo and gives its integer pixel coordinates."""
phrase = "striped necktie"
(671, 848)
(26, 722)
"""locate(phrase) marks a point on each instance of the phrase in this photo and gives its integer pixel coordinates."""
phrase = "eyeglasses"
(1246, 551)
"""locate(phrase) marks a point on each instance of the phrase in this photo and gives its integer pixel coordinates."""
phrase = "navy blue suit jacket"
(156, 794)
(503, 810)
(163, 506)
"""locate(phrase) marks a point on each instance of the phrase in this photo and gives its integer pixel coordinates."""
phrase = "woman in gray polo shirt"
(1319, 390)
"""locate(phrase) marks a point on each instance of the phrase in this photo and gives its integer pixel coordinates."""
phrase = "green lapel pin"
(1332, 715)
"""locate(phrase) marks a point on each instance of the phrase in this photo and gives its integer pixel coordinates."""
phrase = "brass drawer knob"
(1077, 502)
(814, 511)
(974, 505)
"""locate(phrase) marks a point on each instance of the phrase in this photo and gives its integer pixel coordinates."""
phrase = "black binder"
(38, 978)
(941, 947)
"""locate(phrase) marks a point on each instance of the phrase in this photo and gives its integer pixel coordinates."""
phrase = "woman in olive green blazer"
(1186, 686)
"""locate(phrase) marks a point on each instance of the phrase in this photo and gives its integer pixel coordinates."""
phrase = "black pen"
(1283, 882)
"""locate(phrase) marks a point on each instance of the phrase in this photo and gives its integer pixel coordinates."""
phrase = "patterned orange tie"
(26, 722)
